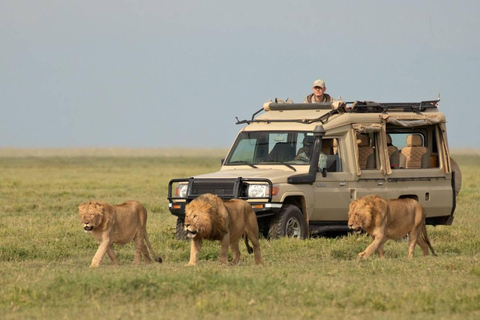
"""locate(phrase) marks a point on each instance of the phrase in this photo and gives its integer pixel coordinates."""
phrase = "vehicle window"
(276, 138)
(303, 138)
(399, 140)
(332, 153)
(266, 147)
(294, 148)
(413, 150)
(367, 151)
(244, 151)
(417, 156)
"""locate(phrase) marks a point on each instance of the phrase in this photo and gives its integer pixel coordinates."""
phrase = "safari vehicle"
(395, 150)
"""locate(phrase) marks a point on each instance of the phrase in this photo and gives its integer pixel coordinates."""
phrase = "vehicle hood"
(274, 175)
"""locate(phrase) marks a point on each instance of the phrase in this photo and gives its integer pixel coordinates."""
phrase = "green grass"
(44, 254)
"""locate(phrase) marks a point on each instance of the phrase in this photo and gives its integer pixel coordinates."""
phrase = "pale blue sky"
(177, 73)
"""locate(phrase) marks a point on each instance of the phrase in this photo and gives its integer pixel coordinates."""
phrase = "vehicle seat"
(416, 155)
(333, 163)
(393, 153)
(390, 146)
(366, 156)
(281, 152)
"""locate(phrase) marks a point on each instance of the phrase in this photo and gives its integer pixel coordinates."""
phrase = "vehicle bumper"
(261, 209)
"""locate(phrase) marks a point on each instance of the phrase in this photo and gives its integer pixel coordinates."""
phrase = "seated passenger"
(305, 153)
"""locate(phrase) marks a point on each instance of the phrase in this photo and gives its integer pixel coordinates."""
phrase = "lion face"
(91, 215)
(190, 223)
(359, 215)
(201, 217)
(197, 219)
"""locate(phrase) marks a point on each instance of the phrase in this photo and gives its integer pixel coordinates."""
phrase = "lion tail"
(149, 245)
(249, 249)
(425, 237)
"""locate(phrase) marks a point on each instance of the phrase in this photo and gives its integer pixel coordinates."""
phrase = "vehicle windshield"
(268, 147)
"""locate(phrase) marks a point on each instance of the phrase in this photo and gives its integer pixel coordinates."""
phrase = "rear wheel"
(289, 222)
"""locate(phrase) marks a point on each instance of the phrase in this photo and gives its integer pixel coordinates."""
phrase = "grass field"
(45, 255)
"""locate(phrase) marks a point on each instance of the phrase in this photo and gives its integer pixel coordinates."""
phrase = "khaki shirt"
(312, 99)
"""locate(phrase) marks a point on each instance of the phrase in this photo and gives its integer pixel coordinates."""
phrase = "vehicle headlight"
(258, 191)
(181, 190)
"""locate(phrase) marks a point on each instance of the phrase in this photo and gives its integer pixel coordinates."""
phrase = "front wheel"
(289, 222)
(180, 233)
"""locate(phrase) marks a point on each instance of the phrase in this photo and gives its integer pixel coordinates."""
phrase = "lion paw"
(362, 255)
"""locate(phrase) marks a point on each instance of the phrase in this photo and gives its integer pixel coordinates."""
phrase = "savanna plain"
(45, 254)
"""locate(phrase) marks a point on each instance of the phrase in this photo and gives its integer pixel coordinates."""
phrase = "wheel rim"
(292, 228)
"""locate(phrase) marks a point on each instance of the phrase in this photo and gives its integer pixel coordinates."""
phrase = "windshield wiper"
(289, 166)
(245, 163)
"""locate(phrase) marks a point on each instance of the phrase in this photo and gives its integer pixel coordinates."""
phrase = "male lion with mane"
(209, 217)
(389, 219)
(117, 224)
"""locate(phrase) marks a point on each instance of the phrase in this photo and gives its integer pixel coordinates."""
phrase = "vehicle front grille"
(225, 189)
(236, 188)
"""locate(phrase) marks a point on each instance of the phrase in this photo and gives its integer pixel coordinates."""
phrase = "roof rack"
(382, 107)
(324, 118)
(356, 107)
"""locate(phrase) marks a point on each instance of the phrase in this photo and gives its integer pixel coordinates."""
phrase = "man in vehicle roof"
(318, 94)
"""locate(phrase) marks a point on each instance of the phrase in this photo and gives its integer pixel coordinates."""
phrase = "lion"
(389, 219)
(117, 224)
(209, 217)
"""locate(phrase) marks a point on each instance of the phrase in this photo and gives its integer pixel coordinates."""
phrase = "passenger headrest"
(414, 140)
(363, 141)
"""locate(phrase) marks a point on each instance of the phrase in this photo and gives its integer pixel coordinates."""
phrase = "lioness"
(209, 217)
(118, 224)
(389, 219)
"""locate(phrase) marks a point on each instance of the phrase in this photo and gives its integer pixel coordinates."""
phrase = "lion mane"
(389, 219)
(209, 217)
(117, 224)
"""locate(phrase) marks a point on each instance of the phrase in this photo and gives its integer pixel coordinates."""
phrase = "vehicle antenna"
(434, 44)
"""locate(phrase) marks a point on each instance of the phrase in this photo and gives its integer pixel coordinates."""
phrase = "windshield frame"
(258, 146)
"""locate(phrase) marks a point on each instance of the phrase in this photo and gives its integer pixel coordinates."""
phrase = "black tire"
(289, 222)
(180, 233)
(458, 176)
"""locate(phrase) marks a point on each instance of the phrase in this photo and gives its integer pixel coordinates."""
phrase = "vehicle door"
(332, 195)
(371, 168)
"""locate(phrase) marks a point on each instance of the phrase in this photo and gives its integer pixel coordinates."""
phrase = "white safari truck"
(300, 165)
